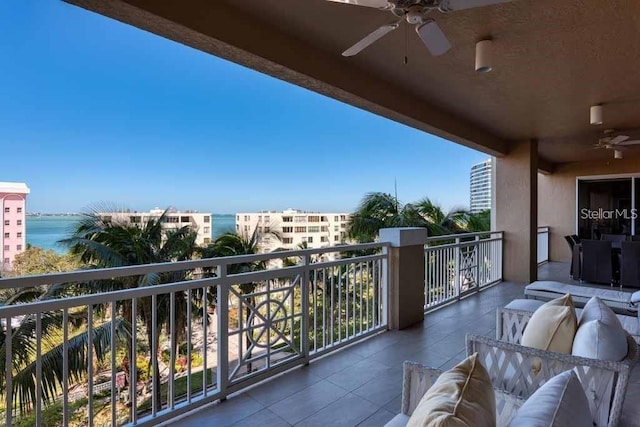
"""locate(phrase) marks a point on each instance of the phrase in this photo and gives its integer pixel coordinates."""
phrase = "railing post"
(406, 275)
(384, 295)
(304, 329)
(223, 334)
(456, 268)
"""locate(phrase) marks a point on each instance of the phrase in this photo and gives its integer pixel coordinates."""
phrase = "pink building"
(13, 235)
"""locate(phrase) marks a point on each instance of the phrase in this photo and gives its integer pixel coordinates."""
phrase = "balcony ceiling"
(552, 60)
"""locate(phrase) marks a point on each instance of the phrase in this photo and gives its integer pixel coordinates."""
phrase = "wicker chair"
(510, 367)
(418, 378)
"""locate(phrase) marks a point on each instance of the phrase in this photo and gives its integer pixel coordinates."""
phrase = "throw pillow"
(552, 326)
(600, 334)
(560, 402)
(461, 397)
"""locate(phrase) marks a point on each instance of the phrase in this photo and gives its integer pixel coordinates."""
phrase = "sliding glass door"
(607, 206)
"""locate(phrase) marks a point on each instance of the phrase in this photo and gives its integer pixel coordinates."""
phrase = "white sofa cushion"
(399, 420)
(560, 402)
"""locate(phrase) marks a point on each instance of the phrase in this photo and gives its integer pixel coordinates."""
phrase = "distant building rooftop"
(14, 187)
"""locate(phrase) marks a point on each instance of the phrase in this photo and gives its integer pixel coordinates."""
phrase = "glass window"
(336, 239)
(287, 240)
(6, 247)
(6, 235)
(19, 210)
(310, 239)
(301, 229)
(287, 219)
(7, 210)
(185, 219)
(206, 229)
(287, 229)
(19, 235)
(207, 240)
(207, 218)
(19, 222)
(6, 222)
(19, 247)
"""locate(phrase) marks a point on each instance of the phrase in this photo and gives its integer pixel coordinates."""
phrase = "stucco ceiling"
(552, 60)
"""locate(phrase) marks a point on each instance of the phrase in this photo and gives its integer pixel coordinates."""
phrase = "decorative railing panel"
(164, 339)
(459, 264)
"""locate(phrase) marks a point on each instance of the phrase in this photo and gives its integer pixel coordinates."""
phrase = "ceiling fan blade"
(618, 139)
(433, 38)
(370, 39)
(632, 142)
(451, 5)
(378, 4)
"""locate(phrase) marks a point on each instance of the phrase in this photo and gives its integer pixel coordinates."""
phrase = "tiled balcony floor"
(361, 385)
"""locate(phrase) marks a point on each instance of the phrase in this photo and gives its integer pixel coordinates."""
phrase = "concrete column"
(406, 275)
(516, 211)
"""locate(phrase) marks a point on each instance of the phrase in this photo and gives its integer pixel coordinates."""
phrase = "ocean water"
(46, 231)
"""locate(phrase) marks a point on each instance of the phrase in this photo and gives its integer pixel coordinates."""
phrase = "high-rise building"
(294, 228)
(13, 224)
(480, 187)
(201, 222)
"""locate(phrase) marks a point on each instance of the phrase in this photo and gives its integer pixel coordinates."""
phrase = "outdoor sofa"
(516, 371)
(620, 300)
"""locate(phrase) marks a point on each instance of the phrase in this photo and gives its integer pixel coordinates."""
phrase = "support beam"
(218, 28)
(516, 211)
(406, 275)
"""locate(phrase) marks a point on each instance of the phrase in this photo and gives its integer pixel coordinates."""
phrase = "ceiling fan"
(612, 140)
(415, 12)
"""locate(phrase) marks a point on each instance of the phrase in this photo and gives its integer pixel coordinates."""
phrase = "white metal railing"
(543, 244)
(459, 264)
(209, 332)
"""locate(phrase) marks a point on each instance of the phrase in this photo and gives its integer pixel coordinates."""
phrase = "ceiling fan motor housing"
(416, 15)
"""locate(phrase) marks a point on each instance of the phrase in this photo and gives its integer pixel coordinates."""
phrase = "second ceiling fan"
(415, 12)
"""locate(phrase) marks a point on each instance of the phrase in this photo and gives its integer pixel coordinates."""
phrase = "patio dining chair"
(597, 262)
(614, 237)
(630, 268)
(572, 243)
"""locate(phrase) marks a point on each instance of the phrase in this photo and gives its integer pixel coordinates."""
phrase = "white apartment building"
(480, 187)
(295, 227)
(201, 222)
(13, 224)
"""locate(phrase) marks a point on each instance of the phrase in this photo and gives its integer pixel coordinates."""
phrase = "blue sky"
(92, 110)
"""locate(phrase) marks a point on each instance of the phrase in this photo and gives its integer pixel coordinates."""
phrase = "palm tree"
(480, 221)
(440, 222)
(103, 242)
(380, 210)
(24, 349)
